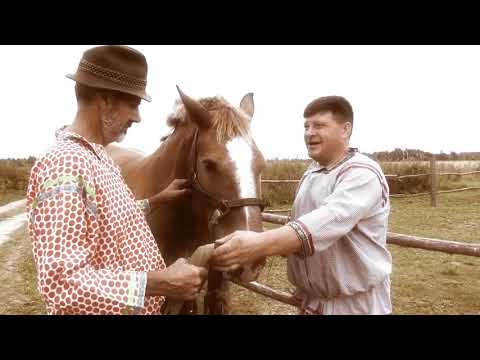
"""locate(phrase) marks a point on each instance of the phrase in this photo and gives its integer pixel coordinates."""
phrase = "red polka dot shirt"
(91, 243)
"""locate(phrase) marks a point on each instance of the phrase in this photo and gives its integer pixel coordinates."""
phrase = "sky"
(416, 97)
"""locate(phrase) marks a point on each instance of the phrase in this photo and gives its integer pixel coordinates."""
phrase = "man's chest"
(115, 201)
(313, 190)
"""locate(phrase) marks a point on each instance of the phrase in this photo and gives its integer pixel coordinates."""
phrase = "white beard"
(108, 121)
(121, 137)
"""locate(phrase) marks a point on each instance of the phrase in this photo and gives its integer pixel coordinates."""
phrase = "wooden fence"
(434, 174)
(450, 247)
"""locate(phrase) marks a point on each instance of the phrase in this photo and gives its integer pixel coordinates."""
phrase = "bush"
(14, 173)
(281, 195)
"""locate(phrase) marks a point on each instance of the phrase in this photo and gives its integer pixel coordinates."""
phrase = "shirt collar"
(64, 134)
(316, 167)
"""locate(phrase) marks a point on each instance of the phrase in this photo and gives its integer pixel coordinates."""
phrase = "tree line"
(14, 173)
(419, 155)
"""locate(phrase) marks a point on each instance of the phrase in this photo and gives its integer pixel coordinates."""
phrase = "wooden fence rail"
(439, 174)
(450, 247)
(438, 192)
(279, 181)
(266, 291)
(445, 246)
(434, 183)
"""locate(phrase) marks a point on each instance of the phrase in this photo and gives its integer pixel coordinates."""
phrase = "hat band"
(112, 75)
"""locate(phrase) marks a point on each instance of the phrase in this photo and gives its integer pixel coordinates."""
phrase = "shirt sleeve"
(63, 226)
(356, 193)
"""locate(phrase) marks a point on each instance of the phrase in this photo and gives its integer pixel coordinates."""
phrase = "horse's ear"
(247, 104)
(196, 110)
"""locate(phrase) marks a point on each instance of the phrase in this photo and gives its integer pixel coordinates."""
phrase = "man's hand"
(177, 189)
(244, 247)
(180, 280)
(237, 249)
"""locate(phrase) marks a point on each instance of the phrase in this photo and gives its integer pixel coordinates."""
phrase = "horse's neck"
(170, 161)
(176, 227)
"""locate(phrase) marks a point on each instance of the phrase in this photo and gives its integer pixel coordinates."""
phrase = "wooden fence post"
(434, 181)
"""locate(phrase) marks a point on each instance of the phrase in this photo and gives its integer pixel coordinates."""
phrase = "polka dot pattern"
(91, 243)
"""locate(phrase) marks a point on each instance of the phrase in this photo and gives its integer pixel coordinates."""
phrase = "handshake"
(184, 279)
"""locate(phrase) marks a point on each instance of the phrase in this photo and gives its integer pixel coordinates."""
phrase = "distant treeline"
(14, 173)
(419, 155)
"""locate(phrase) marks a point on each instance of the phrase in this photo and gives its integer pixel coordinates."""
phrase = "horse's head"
(226, 167)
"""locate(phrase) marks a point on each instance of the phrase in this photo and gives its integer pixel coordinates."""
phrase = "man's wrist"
(281, 241)
(156, 283)
(155, 201)
(151, 288)
(266, 244)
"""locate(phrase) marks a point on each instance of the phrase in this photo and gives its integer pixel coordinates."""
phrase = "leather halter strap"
(222, 205)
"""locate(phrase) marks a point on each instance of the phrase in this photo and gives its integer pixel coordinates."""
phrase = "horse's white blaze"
(241, 155)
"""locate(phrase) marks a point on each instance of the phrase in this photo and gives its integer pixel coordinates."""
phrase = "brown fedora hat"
(114, 67)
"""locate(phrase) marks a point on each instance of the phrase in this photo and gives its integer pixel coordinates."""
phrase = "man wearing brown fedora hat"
(92, 246)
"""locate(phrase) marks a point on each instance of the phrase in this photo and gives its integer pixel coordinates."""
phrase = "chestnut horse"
(210, 144)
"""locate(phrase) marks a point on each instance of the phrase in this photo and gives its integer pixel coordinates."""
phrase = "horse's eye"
(209, 165)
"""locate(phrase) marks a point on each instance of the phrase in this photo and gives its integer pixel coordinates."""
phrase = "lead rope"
(200, 257)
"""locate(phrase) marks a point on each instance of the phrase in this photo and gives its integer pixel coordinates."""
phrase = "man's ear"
(347, 127)
(104, 99)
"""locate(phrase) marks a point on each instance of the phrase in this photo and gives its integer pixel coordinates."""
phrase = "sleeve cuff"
(305, 238)
(144, 205)
(136, 289)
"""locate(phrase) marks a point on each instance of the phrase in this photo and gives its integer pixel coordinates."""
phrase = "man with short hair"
(336, 239)
(93, 249)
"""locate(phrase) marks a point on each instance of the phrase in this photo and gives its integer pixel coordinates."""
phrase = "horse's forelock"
(227, 120)
(178, 114)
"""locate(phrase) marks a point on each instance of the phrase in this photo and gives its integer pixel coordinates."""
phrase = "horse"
(211, 144)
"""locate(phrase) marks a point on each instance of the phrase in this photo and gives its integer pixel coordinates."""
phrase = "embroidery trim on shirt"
(371, 168)
(144, 205)
(79, 186)
(305, 237)
(70, 188)
(135, 298)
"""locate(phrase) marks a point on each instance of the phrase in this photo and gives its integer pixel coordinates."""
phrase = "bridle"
(222, 206)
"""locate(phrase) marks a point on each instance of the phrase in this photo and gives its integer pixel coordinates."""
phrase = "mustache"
(309, 140)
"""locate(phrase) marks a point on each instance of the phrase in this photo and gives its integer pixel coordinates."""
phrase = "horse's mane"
(227, 120)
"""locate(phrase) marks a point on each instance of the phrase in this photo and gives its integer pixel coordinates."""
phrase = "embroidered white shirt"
(344, 266)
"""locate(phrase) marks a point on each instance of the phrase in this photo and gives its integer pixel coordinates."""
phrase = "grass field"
(423, 282)
(18, 293)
